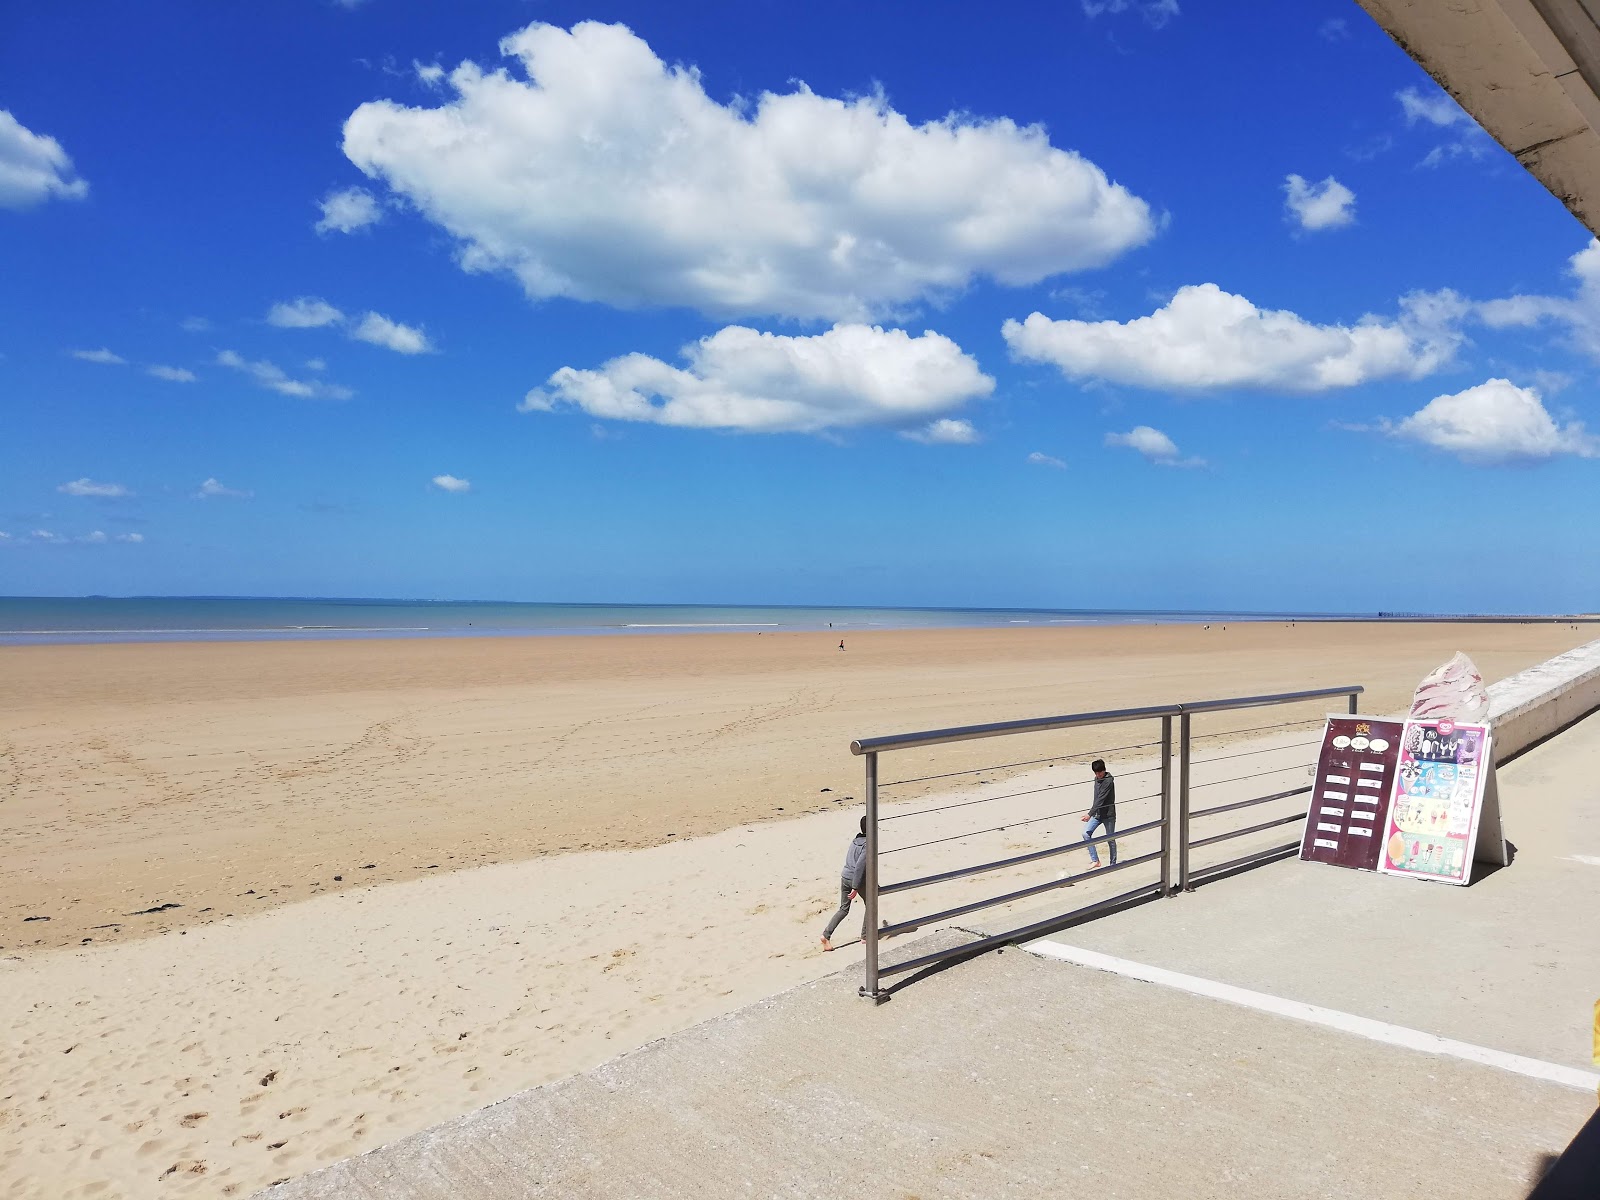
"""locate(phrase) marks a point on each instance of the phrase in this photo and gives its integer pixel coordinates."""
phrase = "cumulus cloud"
(1578, 313)
(348, 210)
(1325, 205)
(1208, 338)
(608, 175)
(273, 377)
(88, 487)
(946, 431)
(312, 312)
(1156, 13)
(213, 489)
(33, 167)
(449, 483)
(1039, 459)
(1156, 446)
(129, 537)
(1495, 422)
(171, 374)
(742, 379)
(1436, 110)
(306, 312)
(379, 330)
(102, 356)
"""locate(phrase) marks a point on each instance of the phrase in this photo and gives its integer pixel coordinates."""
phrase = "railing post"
(1354, 707)
(870, 989)
(1166, 805)
(1183, 802)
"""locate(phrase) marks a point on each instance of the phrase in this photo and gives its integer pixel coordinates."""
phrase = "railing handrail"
(965, 733)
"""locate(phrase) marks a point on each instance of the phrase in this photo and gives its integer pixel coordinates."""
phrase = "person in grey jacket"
(851, 880)
(1103, 812)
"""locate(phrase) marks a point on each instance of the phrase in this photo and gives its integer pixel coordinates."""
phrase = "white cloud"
(1579, 312)
(742, 379)
(946, 431)
(212, 489)
(379, 330)
(130, 537)
(306, 312)
(4, 536)
(1156, 446)
(194, 325)
(431, 74)
(1495, 422)
(1156, 13)
(95, 538)
(44, 535)
(102, 355)
(33, 167)
(270, 375)
(449, 483)
(1436, 109)
(1046, 460)
(316, 364)
(172, 374)
(610, 176)
(1325, 205)
(1334, 29)
(1208, 338)
(88, 487)
(348, 210)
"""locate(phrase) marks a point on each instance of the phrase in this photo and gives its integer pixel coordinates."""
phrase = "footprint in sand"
(190, 1120)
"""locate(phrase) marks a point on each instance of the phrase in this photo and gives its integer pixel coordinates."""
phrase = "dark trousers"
(844, 911)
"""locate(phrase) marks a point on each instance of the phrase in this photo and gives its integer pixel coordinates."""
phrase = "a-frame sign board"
(1416, 798)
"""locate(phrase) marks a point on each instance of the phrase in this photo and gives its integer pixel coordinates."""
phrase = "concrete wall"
(1533, 704)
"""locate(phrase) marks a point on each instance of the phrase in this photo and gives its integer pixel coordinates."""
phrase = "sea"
(37, 620)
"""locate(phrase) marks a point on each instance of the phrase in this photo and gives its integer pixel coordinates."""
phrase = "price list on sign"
(1350, 799)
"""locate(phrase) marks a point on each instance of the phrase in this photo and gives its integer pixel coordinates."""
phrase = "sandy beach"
(395, 880)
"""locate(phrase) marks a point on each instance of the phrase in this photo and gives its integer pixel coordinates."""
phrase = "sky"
(1090, 304)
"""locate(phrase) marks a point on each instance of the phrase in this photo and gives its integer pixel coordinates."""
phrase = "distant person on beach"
(1102, 813)
(851, 880)
(841, 643)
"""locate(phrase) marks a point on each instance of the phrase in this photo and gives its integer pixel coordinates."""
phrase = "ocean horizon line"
(99, 619)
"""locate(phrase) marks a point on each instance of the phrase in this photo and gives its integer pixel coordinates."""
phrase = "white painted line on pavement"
(1377, 1031)
(1588, 860)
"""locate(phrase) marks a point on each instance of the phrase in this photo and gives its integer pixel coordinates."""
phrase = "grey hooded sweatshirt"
(855, 863)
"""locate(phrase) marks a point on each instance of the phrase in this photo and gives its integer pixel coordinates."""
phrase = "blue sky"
(1051, 305)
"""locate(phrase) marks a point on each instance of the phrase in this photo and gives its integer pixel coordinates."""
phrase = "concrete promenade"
(1011, 1074)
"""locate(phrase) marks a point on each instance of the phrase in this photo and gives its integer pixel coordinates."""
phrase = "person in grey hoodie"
(1103, 812)
(851, 880)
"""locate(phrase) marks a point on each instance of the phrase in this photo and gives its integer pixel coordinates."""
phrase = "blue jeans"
(1110, 826)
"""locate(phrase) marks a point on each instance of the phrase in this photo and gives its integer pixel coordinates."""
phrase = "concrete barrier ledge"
(1529, 706)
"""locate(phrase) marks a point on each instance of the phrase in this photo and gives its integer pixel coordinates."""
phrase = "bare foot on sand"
(826, 944)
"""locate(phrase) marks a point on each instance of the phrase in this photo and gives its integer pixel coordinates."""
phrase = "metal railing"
(874, 888)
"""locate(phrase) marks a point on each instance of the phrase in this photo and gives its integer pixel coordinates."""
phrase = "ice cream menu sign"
(1356, 771)
(1432, 826)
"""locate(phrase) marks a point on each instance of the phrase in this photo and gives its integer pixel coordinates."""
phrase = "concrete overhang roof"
(1527, 70)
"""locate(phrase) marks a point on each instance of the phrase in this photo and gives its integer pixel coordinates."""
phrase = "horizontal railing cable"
(956, 837)
(1254, 729)
(922, 812)
(1194, 762)
(1016, 860)
(1031, 762)
(1253, 775)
